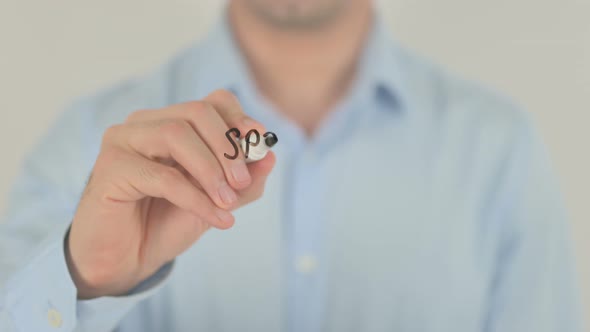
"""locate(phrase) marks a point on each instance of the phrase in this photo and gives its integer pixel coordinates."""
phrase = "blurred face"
(297, 13)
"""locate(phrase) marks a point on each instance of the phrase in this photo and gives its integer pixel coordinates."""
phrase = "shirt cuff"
(43, 297)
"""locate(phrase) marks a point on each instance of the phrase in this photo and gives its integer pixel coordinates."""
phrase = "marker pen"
(259, 151)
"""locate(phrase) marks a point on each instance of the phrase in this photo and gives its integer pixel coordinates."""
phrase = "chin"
(297, 13)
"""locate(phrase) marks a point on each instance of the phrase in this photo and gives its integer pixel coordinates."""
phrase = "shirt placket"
(306, 243)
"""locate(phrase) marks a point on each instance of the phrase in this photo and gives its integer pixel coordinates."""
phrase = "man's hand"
(160, 181)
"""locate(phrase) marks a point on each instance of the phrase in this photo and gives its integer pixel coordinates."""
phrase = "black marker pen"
(258, 151)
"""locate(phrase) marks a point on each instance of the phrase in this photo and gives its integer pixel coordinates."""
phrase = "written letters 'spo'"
(269, 140)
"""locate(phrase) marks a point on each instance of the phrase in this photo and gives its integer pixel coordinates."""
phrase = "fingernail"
(240, 172)
(228, 196)
(223, 215)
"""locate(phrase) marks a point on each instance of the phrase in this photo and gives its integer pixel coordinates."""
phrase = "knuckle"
(111, 133)
(174, 128)
(108, 159)
(111, 155)
(147, 174)
(153, 153)
(156, 174)
(197, 105)
(137, 115)
(223, 94)
(202, 108)
(169, 175)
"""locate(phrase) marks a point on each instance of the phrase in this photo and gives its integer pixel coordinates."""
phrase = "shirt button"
(54, 318)
(306, 264)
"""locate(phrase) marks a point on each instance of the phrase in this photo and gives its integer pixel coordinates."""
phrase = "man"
(400, 198)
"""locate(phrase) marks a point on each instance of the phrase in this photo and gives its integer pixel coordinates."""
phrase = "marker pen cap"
(259, 151)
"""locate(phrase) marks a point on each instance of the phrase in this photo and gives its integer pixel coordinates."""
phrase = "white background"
(537, 51)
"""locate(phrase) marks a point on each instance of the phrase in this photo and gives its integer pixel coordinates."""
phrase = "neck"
(303, 72)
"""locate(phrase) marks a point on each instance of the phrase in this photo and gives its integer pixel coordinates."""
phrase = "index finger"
(230, 110)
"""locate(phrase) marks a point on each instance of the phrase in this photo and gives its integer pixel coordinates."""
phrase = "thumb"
(259, 172)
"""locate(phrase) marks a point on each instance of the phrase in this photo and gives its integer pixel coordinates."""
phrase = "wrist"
(96, 280)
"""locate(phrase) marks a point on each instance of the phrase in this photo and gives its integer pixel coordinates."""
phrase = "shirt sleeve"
(36, 290)
(534, 287)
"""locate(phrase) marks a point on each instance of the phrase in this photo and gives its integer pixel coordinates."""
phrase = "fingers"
(138, 177)
(192, 135)
(260, 171)
(176, 139)
(211, 128)
(231, 112)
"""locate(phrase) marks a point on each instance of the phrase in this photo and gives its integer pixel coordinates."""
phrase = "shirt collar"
(217, 62)
(379, 78)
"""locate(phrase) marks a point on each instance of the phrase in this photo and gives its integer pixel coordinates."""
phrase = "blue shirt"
(424, 203)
